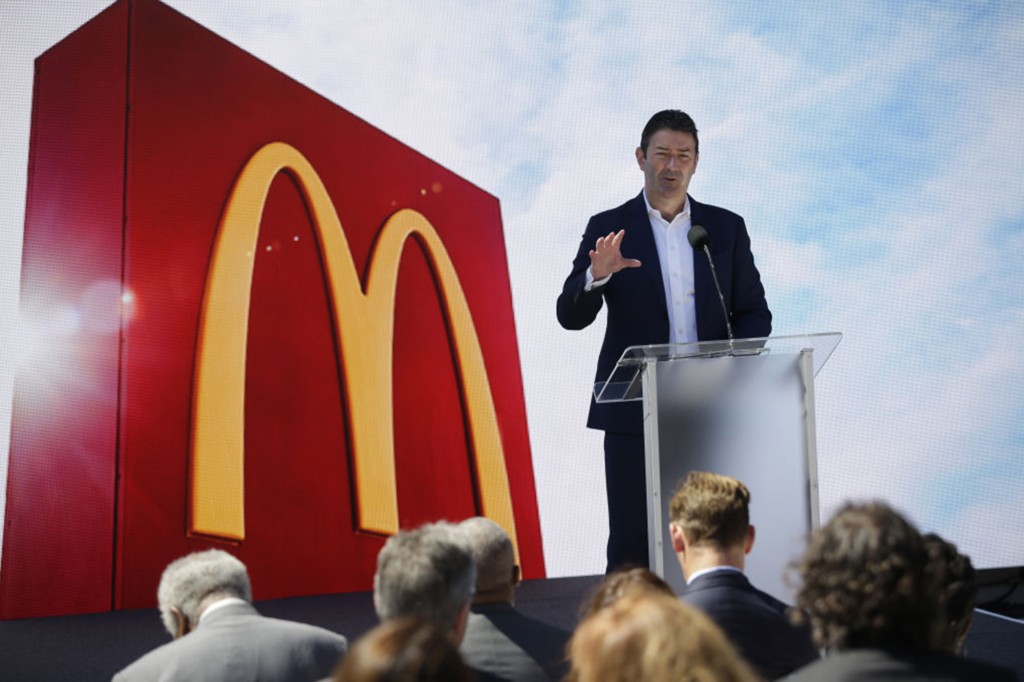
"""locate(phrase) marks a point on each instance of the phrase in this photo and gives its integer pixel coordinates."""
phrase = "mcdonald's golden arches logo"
(364, 320)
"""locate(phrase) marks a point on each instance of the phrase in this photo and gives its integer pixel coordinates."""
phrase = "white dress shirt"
(676, 258)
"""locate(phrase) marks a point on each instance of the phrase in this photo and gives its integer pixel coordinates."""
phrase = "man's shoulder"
(299, 630)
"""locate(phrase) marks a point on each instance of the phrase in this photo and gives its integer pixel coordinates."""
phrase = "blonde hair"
(711, 509)
(649, 636)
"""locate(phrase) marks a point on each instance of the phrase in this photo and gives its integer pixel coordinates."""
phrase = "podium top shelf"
(822, 344)
(623, 384)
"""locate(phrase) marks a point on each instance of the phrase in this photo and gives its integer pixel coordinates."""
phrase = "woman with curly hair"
(874, 599)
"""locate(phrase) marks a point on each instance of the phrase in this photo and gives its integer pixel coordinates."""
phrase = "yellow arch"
(365, 326)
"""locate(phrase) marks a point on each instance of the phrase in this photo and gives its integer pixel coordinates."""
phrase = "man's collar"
(713, 569)
(219, 604)
(651, 209)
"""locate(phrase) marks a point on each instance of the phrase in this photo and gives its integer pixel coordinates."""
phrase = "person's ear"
(749, 543)
(517, 575)
(640, 157)
(678, 538)
(181, 627)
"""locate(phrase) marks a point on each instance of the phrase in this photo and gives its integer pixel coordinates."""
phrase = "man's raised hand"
(606, 256)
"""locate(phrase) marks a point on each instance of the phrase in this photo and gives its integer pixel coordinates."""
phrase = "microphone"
(698, 238)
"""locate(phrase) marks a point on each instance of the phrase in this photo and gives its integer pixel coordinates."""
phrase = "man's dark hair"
(670, 119)
(868, 582)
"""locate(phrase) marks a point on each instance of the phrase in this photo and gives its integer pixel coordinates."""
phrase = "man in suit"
(711, 535)
(206, 605)
(501, 641)
(874, 598)
(637, 260)
(428, 573)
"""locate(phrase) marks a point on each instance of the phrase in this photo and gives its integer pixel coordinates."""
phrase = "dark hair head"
(867, 582)
(671, 119)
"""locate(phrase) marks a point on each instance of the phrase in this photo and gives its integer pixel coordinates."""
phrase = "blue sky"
(874, 148)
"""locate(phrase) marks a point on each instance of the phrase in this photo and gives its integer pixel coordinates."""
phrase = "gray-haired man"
(427, 572)
(205, 604)
(501, 641)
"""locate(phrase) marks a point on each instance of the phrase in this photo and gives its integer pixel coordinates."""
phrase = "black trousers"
(625, 482)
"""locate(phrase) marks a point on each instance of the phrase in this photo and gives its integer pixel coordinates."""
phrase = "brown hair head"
(868, 582)
(711, 509)
(406, 649)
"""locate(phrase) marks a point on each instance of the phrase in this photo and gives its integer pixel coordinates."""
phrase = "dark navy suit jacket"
(502, 643)
(754, 621)
(637, 310)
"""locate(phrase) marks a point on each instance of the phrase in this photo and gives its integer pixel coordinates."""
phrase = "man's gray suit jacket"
(236, 643)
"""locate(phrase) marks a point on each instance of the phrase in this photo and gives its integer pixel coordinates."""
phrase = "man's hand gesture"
(606, 258)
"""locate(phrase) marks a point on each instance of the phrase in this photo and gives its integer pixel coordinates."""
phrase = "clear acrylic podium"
(742, 408)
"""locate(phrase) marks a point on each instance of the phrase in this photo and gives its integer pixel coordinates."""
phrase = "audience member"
(711, 534)
(499, 640)
(656, 638)
(874, 600)
(405, 649)
(205, 604)
(428, 573)
(959, 589)
(622, 583)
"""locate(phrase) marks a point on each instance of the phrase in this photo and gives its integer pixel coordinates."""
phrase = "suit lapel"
(645, 250)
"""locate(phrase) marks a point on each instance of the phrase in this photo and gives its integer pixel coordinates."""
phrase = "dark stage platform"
(94, 647)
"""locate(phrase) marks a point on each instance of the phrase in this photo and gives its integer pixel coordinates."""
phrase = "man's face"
(668, 165)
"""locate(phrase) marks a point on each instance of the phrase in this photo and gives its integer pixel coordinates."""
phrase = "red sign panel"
(261, 324)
